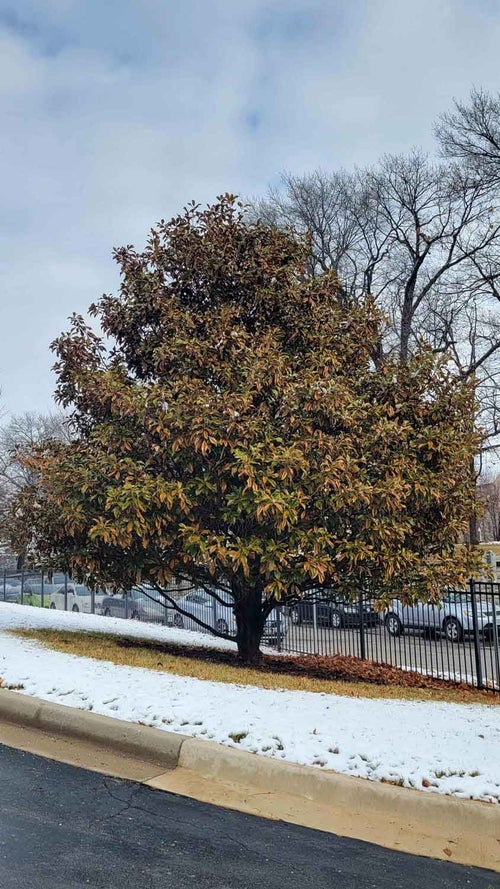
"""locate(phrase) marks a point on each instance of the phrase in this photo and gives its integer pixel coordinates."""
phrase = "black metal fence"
(458, 640)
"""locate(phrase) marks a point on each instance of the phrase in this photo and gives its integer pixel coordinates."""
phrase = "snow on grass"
(434, 747)
(33, 617)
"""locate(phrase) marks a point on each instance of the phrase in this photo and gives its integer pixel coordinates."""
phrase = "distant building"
(489, 494)
(491, 549)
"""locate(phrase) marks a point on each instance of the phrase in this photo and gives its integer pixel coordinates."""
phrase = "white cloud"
(116, 114)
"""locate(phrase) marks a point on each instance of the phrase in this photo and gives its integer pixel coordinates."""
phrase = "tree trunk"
(473, 531)
(405, 333)
(248, 640)
(473, 523)
(249, 623)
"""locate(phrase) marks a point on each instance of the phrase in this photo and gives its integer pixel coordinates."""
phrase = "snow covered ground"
(435, 747)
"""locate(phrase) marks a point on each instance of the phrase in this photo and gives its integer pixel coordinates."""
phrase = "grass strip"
(308, 673)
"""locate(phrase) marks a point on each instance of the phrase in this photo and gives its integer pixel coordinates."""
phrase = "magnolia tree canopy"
(237, 433)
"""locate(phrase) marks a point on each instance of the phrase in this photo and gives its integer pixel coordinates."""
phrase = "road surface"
(67, 828)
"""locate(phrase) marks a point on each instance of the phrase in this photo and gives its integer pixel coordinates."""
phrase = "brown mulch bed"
(335, 667)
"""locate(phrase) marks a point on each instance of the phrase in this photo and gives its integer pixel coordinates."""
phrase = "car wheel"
(107, 612)
(295, 617)
(221, 626)
(393, 625)
(336, 619)
(178, 621)
(75, 608)
(52, 605)
(453, 629)
(431, 633)
(490, 637)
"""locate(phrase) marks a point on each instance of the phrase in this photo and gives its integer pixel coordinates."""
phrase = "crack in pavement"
(129, 805)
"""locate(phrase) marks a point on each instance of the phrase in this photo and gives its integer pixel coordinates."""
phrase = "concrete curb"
(429, 814)
(331, 788)
(157, 747)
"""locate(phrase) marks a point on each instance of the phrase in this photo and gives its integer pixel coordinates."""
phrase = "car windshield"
(147, 595)
(138, 594)
(458, 598)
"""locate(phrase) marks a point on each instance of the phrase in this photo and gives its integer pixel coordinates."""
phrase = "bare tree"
(20, 433)
(423, 239)
(405, 231)
(470, 334)
(321, 205)
(471, 134)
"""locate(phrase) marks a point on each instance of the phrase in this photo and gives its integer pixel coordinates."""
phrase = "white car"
(203, 606)
(79, 598)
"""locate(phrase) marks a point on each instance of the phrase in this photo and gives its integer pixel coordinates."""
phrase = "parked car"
(219, 615)
(26, 588)
(32, 592)
(79, 598)
(137, 606)
(10, 591)
(452, 617)
(333, 611)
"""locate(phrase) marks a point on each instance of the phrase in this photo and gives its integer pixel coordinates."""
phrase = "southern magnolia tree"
(239, 435)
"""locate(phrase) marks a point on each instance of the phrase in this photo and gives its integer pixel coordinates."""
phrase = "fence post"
(126, 605)
(22, 586)
(496, 636)
(42, 591)
(214, 613)
(4, 583)
(278, 628)
(362, 639)
(92, 601)
(475, 630)
(65, 591)
(315, 627)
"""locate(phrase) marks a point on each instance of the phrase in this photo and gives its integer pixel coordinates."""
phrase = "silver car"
(220, 616)
(75, 597)
(138, 604)
(452, 617)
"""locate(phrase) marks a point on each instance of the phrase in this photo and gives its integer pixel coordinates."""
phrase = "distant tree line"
(423, 238)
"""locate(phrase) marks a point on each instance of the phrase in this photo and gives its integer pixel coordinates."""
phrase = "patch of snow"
(32, 617)
(431, 746)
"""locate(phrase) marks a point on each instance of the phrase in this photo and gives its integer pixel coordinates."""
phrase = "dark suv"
(333, 611)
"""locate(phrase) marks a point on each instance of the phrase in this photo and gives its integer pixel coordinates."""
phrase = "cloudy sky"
(115, 114)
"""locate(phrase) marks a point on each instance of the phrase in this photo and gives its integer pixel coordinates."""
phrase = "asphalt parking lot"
(411, 650)
(63, 827)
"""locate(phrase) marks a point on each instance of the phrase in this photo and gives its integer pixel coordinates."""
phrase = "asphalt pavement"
(63, 828)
